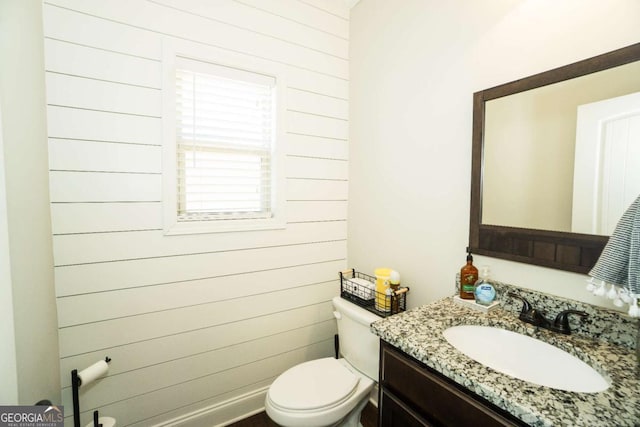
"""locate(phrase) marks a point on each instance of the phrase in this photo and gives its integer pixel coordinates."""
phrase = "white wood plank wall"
(189, 321)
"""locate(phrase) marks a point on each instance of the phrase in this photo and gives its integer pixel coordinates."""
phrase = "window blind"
(225, 139)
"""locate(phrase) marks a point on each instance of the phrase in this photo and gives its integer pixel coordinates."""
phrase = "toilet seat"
(314, 385)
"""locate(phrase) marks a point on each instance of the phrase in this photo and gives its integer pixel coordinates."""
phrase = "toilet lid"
(313, 385)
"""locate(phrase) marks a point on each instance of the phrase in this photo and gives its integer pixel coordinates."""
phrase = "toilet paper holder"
(91, 373)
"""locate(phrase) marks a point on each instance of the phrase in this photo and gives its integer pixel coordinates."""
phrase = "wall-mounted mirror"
(553, 157)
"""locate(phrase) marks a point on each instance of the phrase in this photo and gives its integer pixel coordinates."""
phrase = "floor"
(369, 418)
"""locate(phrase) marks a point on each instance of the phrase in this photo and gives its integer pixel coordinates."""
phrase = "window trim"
(171, 224)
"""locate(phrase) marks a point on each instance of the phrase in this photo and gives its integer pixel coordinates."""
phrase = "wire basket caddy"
(360, 289)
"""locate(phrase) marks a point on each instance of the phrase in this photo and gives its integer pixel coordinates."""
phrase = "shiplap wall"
(190, 321)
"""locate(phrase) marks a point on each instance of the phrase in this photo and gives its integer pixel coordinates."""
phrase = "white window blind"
(225, 140)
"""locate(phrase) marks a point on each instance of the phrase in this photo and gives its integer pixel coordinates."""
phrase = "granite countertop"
(418, 333)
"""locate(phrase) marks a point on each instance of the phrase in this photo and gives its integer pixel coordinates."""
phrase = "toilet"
(329, 391)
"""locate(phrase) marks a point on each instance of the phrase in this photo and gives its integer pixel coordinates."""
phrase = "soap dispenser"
(484, 291)
(468, 278)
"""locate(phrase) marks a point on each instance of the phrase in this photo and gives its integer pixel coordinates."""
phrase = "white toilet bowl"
(330, 392)
(319, 393)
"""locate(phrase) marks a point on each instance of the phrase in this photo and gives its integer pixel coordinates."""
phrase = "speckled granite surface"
(418, 332)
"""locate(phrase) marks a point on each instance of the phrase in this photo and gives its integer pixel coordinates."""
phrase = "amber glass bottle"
(468, 278)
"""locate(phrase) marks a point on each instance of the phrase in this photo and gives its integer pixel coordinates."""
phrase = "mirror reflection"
(561, 157)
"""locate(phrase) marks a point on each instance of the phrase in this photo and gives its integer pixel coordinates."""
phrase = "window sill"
(223, 226)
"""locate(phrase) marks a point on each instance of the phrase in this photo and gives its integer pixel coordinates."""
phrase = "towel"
(619, 263)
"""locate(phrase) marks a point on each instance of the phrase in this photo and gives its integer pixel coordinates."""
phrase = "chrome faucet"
(536, 317)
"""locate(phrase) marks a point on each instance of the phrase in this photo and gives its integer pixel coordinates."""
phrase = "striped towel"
(619, 263)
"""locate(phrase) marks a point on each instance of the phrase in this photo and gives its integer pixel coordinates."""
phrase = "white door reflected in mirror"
(607, 163)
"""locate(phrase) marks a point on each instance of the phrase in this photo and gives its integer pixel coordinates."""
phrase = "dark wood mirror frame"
(554, 249)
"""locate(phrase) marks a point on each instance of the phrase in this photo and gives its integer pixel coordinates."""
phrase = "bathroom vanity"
(412, 394)
(426, 381)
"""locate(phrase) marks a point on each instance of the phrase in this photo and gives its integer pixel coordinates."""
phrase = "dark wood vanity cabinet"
(412, 394)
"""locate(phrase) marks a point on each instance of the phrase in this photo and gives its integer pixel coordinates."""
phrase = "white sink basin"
(525, 358)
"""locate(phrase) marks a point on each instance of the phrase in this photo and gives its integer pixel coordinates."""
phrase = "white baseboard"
(232, 410)
(223, 413)
(373, 396)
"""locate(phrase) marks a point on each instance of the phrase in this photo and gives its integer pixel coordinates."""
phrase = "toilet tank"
(358, 345)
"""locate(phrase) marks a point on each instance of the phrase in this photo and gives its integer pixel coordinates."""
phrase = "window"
(227, 167)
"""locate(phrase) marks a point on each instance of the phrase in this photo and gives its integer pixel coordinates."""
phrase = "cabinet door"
(435, 397)
(394, 413)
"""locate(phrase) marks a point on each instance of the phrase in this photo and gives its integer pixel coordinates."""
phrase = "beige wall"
(28, 220)
(414, 67)
(8, 368)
